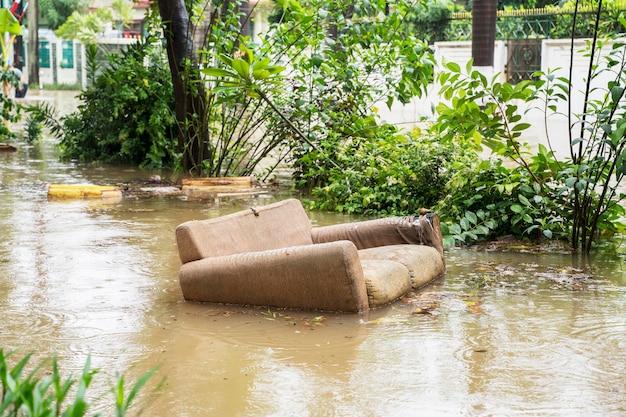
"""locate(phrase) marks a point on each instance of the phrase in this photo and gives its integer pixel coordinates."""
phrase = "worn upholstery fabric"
(273, 226)
(271, 256)
(415, 230)
(423, 262)
(311, 277)
(386, 281)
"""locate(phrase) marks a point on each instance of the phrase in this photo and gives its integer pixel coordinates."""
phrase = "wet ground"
(517, 332)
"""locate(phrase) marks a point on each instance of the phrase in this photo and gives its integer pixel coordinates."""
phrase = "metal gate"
(523, 60)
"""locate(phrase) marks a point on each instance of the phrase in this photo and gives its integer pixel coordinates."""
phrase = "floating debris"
(5, 147)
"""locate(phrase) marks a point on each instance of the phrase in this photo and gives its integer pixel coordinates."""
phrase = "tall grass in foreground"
(43, 392)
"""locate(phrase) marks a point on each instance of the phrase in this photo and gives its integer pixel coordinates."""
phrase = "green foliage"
(578, 18)
(34, 127)
(9, 108)
(238, 83)
(430, 20)
(390, 174)
(344, 61)
(56, 12)
(85, 26)
(44, 392)
(576, 197)
(487, 199)
(125, 116)
(60, 87)
(597, 143)
(554, 21)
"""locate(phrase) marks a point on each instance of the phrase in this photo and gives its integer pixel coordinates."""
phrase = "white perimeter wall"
(555, 56)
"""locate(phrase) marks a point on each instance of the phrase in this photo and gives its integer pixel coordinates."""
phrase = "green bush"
(343, 60)
(486, 199)
(575, 197)
(125, 116)
(430, 21)
(389, 174)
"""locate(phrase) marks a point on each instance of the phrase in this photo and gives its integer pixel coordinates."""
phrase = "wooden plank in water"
(5, 147)
(209, 187)
(229, 182)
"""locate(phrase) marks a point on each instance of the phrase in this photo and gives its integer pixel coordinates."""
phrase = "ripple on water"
(608, 331)
(35, 329)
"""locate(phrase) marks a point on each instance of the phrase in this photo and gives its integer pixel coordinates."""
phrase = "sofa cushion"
(386, 281)
(274, 226)
(423, 262)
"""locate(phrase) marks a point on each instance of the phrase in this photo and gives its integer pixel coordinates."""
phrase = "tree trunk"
(188, 93)
(32, 15)
(484, 14)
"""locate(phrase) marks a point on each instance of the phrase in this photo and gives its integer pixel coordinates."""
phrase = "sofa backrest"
(274, 226)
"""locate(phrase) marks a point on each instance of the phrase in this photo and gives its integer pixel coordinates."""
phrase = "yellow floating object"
(83, 190)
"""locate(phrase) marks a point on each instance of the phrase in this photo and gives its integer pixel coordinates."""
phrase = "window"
(67, 54)
(44, 54)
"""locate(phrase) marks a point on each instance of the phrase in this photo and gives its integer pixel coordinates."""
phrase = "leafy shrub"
(389, 174)
(488, 199)
(578, 196)
(430, 21)
(125, 116)
(343, 60)
(34, 127)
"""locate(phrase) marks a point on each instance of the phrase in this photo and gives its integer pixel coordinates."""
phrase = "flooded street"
(502, 334)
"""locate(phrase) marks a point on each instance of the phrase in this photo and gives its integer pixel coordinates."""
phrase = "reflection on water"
(510, 334)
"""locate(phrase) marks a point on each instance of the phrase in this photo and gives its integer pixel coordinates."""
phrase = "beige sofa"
(272, 256)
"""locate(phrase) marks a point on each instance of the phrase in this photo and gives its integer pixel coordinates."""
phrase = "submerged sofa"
(272, 256)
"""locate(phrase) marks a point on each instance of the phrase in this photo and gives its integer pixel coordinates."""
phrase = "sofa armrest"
(323, 277)
(419, 230)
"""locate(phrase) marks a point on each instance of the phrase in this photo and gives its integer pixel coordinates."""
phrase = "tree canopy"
(56, 12)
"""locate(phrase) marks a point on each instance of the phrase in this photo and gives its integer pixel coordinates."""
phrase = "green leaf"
(516, 208)
(261, 74)
(317, 59)
(524, 200)
(218, 72)
(242, 68)
(455, 229)
(261, 64)
(482, 230)
(473, 219)
(453, 66)
(521, 126)
(616, 93)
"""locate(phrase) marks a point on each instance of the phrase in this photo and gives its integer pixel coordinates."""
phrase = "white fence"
(555, 56)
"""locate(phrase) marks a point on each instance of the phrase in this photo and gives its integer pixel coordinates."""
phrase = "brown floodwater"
(513, 333)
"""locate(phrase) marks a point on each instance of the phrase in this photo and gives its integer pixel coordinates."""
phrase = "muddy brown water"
(514, 333)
